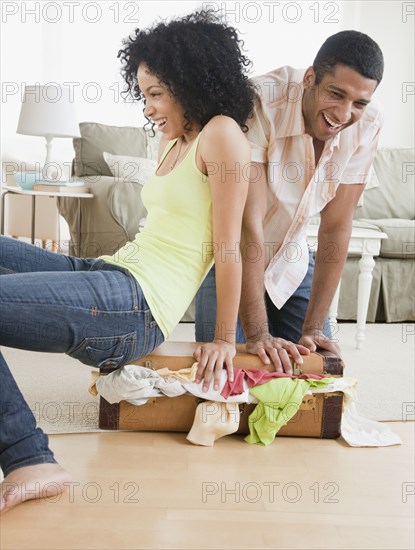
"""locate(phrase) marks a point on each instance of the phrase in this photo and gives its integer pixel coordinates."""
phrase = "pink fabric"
(255, 377)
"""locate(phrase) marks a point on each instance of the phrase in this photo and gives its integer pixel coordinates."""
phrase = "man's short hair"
(353, 49)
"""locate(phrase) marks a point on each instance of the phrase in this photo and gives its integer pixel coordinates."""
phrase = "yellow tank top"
(172, 254)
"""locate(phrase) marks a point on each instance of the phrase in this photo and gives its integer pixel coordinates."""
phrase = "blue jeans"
(285, 323)
(84, 307)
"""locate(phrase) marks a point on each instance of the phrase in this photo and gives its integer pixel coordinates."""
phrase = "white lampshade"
(47, 111)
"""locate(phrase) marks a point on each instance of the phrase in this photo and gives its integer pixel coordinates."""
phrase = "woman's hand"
(212, 358)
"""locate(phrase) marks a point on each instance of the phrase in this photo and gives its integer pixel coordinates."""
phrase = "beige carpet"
(56, 386)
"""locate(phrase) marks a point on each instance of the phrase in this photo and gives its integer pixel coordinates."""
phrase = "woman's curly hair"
(199, 59)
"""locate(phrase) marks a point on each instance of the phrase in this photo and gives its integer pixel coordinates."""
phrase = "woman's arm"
(225, 155)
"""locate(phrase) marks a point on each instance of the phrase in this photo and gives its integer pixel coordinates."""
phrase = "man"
(313, 139)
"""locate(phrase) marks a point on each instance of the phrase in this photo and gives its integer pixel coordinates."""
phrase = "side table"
(16, 190)
(366, 243)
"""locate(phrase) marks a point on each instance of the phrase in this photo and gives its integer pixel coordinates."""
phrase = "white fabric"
(128, 168)
(357, 430)
(214, 395)
(136, 385)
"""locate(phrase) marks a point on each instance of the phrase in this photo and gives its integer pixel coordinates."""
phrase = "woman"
(110, 311)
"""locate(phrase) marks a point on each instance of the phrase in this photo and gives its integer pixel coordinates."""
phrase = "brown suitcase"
(318, 416)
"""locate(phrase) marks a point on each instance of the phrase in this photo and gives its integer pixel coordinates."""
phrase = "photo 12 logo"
(269, 491)
(73, 491)
(70, 12)
(51, 92)
(273, 12)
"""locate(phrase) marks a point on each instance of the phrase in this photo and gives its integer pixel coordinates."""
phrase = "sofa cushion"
(126, 207)
(126, 168)
(394, 197)
(101, 233)
(365, 224)
(401, 238)
(97, 138)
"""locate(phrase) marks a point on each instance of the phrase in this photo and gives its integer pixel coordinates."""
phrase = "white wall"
(392, 26)
(77, 42)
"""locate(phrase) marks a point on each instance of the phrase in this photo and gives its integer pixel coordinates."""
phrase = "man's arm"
(252, 310)
(333, 242)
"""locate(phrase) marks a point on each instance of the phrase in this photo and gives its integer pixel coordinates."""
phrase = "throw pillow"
(126, 168)
(394, 197)
(97, 138)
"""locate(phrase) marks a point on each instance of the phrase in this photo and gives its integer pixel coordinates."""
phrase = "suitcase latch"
(148, 364)
(308, 403)
(297, 370)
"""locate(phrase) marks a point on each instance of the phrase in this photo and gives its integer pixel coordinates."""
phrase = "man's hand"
(212, 358)
(275, 351)
(317, 339)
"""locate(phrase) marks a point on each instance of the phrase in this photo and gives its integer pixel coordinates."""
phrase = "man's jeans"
(89, 309)
(285, 323)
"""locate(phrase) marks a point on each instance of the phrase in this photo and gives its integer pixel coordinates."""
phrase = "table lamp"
(48, 111)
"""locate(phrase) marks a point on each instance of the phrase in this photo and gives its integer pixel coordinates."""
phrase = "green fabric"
(279, 400)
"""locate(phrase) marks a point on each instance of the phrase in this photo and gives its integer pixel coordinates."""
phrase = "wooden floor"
(149, 490)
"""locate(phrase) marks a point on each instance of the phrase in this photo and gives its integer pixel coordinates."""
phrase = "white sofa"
(388, 206)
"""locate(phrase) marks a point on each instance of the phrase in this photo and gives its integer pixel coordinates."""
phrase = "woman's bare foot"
(32, 482)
